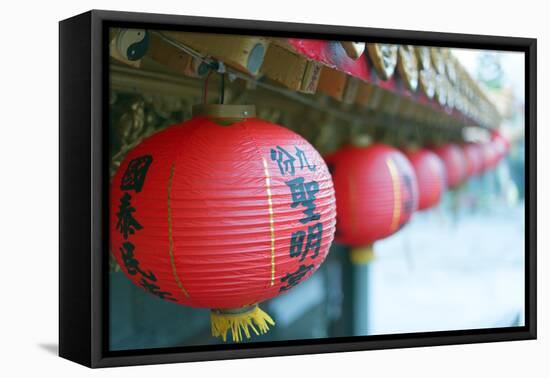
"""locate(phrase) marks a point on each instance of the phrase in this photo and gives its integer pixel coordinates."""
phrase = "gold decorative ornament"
(437, 60)
(441, 89)
(353, 49)
(423, 56)
(450, 94)
(427, 82)
(426, 74)
(384, 58)
(458, 100)
(407, 64)
(450, 67)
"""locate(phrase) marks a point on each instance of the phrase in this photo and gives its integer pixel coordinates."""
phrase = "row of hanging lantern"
(461, 162)
(226, 210)
(379, 187)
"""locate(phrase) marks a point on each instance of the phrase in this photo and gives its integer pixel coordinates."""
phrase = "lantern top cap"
(225, 112)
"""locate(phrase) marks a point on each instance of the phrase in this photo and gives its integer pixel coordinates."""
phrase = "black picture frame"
(83, 181)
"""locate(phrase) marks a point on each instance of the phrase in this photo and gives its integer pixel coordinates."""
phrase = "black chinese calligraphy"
(285, 160)
(147, 278)
(313, 242)
(303, 193)
(302, 243)
(296, 243)
(126, 223)
(154, 289)
(134, 176)
(131, 263)
(294, 278)
(303, 160)
(133, 180)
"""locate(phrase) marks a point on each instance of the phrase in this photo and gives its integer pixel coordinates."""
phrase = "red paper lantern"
(474, 159)
(501, 144)
(222, 215)
(430, 176)
(490, 156)
(376, 192)
(454, 162)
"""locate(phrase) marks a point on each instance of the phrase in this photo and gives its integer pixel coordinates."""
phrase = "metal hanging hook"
(219, 67)
(221, 71)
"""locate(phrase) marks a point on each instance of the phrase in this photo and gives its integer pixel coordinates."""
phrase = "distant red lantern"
(501, 144)
(490, 156)
(376, 192)
(222, 213)
(474, 158)
(454, 162)
(430, 175)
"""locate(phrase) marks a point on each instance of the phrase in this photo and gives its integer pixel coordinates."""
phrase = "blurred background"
(459, 265)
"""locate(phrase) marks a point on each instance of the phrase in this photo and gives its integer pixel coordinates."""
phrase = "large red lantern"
(454, 162)
(430, 176)
(474, 158)
(222, 212)
(376, 192)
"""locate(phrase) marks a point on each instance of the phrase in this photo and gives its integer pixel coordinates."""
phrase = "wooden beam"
(291, 70)
(176, 59)
(245, 54)
(333, 83)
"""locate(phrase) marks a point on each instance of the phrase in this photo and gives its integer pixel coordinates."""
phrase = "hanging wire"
(222, 88)
(205, 88)
(184, 48)
(221, 71)
(214, 66)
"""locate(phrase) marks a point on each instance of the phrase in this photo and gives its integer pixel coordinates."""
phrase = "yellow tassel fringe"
(239, 322)
(362, 256)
